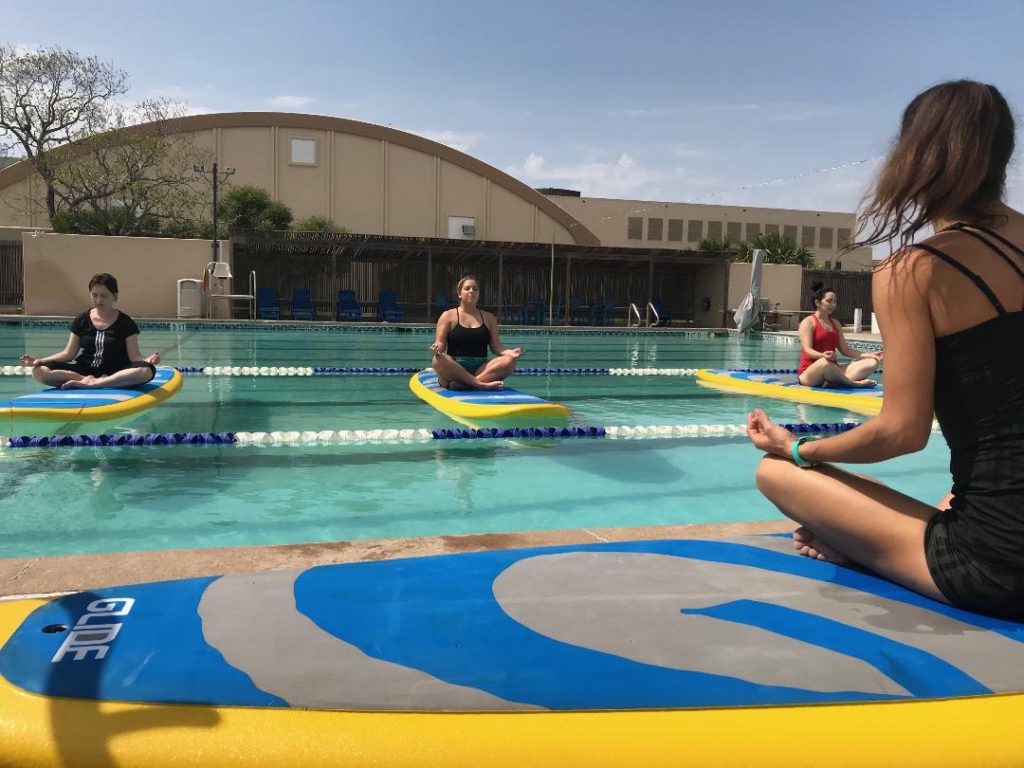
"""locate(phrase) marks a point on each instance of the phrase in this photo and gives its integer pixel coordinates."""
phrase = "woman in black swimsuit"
(102, 349)
(460, 345)
(951, 310)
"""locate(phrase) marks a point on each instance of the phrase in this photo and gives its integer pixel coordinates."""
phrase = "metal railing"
(629, 317)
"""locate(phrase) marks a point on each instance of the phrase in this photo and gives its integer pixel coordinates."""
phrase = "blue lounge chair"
(442, 303)
(601, 313)
(664, 313)
(513, 313)
(347, 307)
(387, 308)
(578, 313)
(267, 307)
(302, 306)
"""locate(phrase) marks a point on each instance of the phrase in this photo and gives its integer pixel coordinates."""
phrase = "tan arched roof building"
(367, 178)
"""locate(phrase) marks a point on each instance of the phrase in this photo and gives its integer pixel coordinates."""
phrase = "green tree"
(134, 178)
(725, 245)
(778, 249)
(52, 97)
(250, 207)
(317, 224)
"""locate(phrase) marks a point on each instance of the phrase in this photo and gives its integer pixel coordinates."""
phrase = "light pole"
(217, 176)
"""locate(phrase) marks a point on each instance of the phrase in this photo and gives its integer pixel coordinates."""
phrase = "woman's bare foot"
(866, 383)
(809, 545)
(86, 382)
(492, 385)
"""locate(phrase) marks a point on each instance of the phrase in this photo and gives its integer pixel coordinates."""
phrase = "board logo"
(94, 637)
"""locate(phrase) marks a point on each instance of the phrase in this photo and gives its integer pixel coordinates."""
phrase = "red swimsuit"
(821, 341)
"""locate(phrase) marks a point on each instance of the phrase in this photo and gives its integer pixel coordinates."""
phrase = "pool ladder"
(640, 322)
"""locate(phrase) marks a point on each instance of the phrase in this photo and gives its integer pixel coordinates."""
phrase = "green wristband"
(799, 460)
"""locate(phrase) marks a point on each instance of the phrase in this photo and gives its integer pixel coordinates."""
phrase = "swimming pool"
(61, 501)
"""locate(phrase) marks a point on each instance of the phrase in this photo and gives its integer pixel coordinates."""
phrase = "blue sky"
(713, 102)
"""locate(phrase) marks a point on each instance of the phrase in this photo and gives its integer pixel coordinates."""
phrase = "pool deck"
(43, 576)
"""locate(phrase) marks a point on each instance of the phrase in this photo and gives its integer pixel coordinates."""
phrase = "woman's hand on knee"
(767, 436)
(29, 360)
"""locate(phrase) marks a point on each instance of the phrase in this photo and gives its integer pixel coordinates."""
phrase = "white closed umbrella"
(750, 308)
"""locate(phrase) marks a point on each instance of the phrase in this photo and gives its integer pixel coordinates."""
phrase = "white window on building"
(654, 227)
(825, 237)
(675, 230)
(635, 228)
(303, 152)
(461, 228)
(753, 230)
(694, 231)
(789, 231)
(771, 229)
(715, 230)
(843, 237)
(733, 231)
(807, 239)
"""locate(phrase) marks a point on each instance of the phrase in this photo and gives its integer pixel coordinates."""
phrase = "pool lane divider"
(263, 370)
(394, 436)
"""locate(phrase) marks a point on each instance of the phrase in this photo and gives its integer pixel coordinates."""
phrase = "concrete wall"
(780, 283)
(711, 283)
(58, 268)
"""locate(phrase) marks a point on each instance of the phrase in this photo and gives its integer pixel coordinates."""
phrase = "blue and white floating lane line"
(395, 436)
(292, 370)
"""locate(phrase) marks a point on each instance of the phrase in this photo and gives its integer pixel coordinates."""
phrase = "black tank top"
(979, 403)
(468, 342)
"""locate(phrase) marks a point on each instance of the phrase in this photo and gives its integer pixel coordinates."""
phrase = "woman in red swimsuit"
(820, 337)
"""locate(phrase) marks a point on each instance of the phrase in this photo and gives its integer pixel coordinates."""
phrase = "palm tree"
(778, 249)
(724, 245)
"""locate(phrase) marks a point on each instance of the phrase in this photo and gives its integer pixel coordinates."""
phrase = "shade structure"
(747, 313)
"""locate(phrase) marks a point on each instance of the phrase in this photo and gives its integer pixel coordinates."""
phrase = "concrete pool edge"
(21, 577)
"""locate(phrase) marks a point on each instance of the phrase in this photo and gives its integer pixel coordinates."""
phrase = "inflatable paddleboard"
(647, 653)
(786, 386)
(476, 406)
(72, 406)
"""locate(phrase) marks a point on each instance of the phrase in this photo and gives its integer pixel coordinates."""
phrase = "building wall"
(370, 179)
(711, 284)
(639, 223)
(57, 269)
(780, 283)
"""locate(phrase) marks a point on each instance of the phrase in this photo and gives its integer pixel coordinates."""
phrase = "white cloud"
(623, 177)
(461, 141)
(288, 102)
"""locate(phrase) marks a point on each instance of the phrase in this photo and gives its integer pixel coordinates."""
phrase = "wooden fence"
(421, 280)
(12, 279)
(853, 290)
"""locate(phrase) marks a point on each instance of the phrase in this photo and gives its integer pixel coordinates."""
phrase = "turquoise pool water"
(60, 501)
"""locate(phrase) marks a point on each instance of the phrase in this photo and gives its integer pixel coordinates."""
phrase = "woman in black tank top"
(951, 313)
(461, 342)
(102, 350)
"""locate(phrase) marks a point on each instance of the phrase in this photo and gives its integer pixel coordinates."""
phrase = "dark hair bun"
(817, 287)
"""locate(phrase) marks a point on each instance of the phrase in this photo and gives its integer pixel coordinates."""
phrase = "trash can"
(190, 298)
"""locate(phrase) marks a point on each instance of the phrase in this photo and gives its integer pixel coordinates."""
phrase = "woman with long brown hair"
(461, 341)
(951, 313)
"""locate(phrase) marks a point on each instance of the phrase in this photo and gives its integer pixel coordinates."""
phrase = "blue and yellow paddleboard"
(65, 408)
(786, 386)
(474, 407)
(646, 653)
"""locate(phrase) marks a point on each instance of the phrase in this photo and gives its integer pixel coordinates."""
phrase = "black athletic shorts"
(969, 583)
(85, 369)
